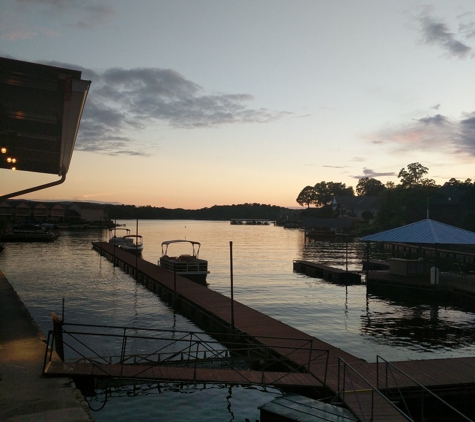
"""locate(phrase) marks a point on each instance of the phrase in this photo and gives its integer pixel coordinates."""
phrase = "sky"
(214, 102)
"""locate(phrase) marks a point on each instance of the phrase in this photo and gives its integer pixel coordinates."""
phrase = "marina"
(212, 311)
(318, 311)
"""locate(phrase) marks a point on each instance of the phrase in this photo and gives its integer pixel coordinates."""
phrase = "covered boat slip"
(421, 278)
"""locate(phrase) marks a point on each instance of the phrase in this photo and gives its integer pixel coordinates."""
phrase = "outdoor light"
(3, 150)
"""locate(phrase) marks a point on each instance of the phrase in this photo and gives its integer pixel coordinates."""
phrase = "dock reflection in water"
(346, 317)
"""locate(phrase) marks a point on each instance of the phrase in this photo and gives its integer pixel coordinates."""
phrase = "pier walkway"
(25, 395)
(212, 311)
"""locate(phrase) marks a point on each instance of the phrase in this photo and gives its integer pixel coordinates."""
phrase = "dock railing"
(103, 346)
(365, 400)
(392, 389)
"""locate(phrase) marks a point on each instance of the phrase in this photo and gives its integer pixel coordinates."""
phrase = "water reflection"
(417, 327)
(178, 401)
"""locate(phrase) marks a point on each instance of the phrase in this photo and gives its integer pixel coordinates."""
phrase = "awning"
(40, 111)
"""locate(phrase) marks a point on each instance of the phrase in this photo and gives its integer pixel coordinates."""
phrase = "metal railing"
(391, 387)
(103, 346)
(350, 384)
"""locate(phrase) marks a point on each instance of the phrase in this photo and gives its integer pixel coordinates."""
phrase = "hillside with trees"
(217, 212)
(414, 198)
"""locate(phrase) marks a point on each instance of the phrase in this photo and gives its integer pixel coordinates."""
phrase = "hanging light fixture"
(7, 140)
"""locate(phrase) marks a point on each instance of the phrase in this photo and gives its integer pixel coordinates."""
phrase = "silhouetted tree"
(306, 196)
(367, 186)
(414, 176)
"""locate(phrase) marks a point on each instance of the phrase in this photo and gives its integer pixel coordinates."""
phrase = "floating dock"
(251, 221)
(335, 275)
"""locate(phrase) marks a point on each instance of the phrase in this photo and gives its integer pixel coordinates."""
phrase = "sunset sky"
(200, 103)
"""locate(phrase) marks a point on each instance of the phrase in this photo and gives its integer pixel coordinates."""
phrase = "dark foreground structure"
(25, 395)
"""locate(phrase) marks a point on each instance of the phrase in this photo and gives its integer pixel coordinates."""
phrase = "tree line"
(408, 201)
(216, 212)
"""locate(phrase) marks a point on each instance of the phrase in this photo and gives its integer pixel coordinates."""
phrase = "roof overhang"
(40, 110)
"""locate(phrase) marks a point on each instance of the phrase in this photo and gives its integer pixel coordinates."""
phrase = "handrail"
(341, 392)
(424, 388)
(195, 350)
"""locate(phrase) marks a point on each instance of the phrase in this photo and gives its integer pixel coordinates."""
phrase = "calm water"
(97, 293)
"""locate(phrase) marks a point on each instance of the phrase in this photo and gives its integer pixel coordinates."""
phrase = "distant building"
(90, 212)
(6, 211)
(355, 205)
(21, 211)
(40, 213)
(57, 213)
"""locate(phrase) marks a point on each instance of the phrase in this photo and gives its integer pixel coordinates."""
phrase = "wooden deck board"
(177, 374)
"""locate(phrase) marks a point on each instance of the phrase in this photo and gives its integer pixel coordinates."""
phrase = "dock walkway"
(24, 394)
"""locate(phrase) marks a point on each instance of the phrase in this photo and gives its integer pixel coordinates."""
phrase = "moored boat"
(189, 266)
(132, 243)
(28, 233)
(121, 237)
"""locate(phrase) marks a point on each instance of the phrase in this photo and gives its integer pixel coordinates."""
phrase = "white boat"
(189, 266)
(121, 237)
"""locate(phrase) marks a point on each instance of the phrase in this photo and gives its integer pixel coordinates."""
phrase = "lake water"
(95, 292)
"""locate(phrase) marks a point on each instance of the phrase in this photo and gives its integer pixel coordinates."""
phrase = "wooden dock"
(212, 311)
(335, 275)
(185, 375)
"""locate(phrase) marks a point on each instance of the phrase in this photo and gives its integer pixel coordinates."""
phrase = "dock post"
(174, 286)
(232, 284)
(58, 335)
(136, 250)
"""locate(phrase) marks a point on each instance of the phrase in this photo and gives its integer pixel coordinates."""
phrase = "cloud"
(467, 26)
(374, 174)
(466, 141)
(432, 132)
(123, 101)
(437, 33)
(83, 14)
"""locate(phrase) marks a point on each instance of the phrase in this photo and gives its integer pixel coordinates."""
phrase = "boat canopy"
(167, 242)
(120, 230)
(196, 246)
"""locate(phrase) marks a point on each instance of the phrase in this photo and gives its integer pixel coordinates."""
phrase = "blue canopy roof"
(425, 231)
